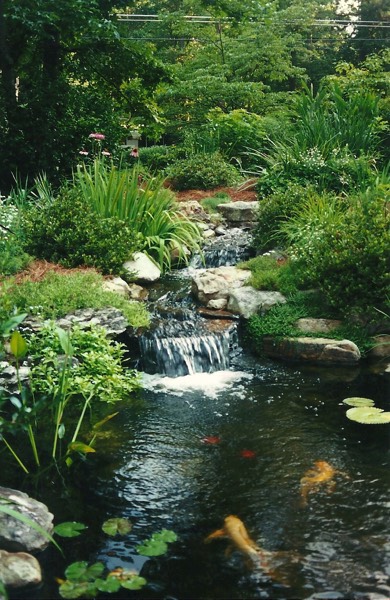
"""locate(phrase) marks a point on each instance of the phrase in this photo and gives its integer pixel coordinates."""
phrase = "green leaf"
(69, 529)
(80, 447)
(71, 589)
(166, 535)
(65, 342)
(103, 421)
(111, 584)
(152, 547)
(3, 591)
(82, 572)
(358, 401)
(134, 583)
(18, 345)
(368, 415)
(116, 526)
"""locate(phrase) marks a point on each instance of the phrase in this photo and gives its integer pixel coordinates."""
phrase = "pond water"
(191, 450)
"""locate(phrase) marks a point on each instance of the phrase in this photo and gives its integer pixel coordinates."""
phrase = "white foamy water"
(210, 384)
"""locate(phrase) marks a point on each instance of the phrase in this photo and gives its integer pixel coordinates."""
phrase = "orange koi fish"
(270, 562)
(322, 474)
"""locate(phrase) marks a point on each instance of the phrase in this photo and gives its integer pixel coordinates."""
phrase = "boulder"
(142, 268)
(213, 286)
(310, 325)
(137, 292)
(381, 348)
(18, 536)
(239, 213)
(321, 350)
(247, 301)
(18, 569)
(117, 285)
(112, 319)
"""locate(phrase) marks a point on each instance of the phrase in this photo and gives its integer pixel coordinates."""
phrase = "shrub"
(202, 171)
(265, 272)
(157, 158)
(12, 256)
(146, 206)
(342, 247)
(67, 231)
(57, 294)
(273, 211)
(280, 321)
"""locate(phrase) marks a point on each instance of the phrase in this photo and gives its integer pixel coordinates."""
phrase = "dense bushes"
(342, 247)
(68, 232)
(202, 171)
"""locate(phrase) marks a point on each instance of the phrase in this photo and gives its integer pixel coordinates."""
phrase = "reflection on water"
(163, 475)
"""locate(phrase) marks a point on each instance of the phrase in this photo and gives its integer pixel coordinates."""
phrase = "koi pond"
(227, 434)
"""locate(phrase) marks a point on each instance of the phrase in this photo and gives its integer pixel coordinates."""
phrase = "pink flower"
(97, 136)
(106, 153)
(83, 152)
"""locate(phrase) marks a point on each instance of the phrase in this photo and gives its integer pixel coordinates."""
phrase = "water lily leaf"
(69, 529)
(152, 547)
(110, 585)
(18, 345)
(368, 415)
(359, 401)
(81, 572)
(116, 526)
(166, 535)
(71, 589)
(134, 583)
(80, 447)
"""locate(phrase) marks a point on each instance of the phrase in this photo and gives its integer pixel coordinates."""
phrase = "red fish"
(247, 454)
(211, 439)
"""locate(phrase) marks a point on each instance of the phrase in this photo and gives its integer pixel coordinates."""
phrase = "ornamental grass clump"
(144, 204)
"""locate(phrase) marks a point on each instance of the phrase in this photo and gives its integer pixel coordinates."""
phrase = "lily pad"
(368, 415)
(69, 529)
(116, 526)
(359, 401)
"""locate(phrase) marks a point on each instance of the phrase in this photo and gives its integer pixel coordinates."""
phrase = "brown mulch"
(38, 269)
(243, 193)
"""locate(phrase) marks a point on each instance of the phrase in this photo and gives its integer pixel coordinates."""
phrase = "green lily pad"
(69, 529)
(116, 526)
(71, 590)
(368, 415)
(133, 583)
(81, 572)
(359, 401)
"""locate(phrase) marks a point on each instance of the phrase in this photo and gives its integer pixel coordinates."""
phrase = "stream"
(216, 431)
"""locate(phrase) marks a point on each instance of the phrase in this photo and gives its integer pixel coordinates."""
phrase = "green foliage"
(69, 529)
(202, 171)
(274, 210)
(96, 364)
(116, 526)
(12, 256)
(67, 231)
(265, 272)
(210, 204)
(57, 295)
(84, 580)
(157, 158)
(157, 544)
(342, 247)
(148, 208)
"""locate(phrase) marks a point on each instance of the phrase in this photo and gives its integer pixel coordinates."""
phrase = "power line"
(131, 18)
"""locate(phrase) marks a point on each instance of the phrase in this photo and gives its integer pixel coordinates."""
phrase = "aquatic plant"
(84, 580)
(365, 412)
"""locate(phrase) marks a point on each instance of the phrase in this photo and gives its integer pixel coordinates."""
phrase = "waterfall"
(185, 348)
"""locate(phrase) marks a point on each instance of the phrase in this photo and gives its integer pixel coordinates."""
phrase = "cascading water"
(226, 250)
